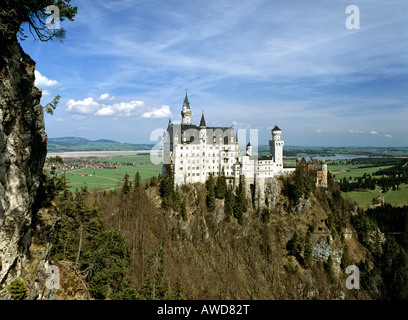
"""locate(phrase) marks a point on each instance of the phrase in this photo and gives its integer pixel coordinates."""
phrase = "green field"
(112, 178)
(346, 170)
(140, 158)
(364, 198)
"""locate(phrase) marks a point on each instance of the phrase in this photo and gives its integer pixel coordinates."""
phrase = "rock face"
(22, 155)
(321, 250)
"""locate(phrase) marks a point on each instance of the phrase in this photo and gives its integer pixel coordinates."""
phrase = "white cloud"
(357, 131)
(86, 106)
(122, 109)
(105, 97)
(388, 136)
(43, 82)
(128, 109)
(373, 132)
(319, 130)
(59, 120)
(105, 111)
(163, 112)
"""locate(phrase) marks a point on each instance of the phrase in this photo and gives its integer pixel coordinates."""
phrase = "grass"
(345, 170)
(130, 159)
(112, 178)
(364, 197)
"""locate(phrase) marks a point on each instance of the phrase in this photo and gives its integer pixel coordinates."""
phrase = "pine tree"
(210, 199)
(229, 202)
(221, 186)
(126, 185)
(167, 184)
(33, 15)
(136, 181)
(155, 286)
(241, 204)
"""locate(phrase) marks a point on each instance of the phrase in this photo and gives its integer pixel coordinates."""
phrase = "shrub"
(17, 289)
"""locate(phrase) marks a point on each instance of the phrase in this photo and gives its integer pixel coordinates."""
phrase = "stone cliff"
(24, 228)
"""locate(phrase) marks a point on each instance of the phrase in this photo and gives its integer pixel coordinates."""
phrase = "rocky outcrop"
(322, 250)
(23, 244)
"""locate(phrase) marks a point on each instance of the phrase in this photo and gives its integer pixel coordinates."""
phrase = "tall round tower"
(324, 173)
(186, 111)
(276, 146)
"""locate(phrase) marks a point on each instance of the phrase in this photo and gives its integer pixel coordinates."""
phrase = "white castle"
(193, 152)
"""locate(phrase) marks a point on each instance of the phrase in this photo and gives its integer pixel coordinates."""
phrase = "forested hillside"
(205, 241)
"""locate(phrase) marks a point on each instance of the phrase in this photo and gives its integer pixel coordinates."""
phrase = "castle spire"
(186, 111)
(202, 121)
(186, 103)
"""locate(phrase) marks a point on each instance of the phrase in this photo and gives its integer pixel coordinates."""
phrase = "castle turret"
(202, 122)
(249, 149)
(324, 174)
(203, 129)
(276, 146)
(186, 111)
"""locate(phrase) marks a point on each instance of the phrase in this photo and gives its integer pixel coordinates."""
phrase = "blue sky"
(124, 66)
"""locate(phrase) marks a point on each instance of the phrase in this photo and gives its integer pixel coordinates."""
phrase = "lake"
(339, 157)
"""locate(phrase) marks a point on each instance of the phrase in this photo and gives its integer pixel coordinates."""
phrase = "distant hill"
(82, 144)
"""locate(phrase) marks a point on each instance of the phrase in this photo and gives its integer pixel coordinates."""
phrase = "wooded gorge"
(153, 241)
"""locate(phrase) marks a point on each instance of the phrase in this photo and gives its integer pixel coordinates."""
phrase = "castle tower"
(324, 174)
(202, 121)
(249, 149)
(203, 128)
(276, 146)
(186, 111)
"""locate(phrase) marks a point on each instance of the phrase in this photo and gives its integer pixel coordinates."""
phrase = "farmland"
(111, 178)
(106, 171)
(365, 197)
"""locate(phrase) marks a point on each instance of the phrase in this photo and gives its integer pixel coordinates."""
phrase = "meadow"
(110, 179)
(364, 198)
(340, 171)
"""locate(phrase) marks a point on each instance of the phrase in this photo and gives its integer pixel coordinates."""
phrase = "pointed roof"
(202, 121)
(186, 103)
(276, 128)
